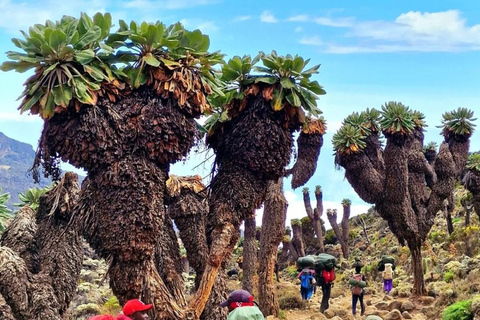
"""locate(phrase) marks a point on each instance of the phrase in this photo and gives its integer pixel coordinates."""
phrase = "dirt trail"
(379, 304)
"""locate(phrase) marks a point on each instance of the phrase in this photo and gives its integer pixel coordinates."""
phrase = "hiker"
(387, 275)
(357, 283)
(387, 266)
(135, 309)
(325, 280)
(307, 283)
(241, 306)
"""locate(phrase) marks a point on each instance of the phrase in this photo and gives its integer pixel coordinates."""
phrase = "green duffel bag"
(325, 261)
(386, 259)
(305, 262)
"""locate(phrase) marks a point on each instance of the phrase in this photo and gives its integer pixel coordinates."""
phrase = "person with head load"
(357, 283)
(241, 306)
(387, 275)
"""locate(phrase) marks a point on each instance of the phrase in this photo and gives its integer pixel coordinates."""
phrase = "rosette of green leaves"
(458, 122)
(396, 118)
(4, 211)
(67, 60)
(294, 83)
(473, 162)
(431, 146)
(155, 45)
(349, 139)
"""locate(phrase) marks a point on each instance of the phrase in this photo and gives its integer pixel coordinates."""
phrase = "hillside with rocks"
(451, 276)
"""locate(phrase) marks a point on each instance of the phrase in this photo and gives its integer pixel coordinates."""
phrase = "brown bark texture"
(252, 149)
(297, 240)
(41, 257)
(332, 218)
(250, 251)
(314, 219)
(273, 222)
(308, 146)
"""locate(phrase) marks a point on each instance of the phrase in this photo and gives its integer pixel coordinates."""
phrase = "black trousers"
(326, 290)
(355, 298)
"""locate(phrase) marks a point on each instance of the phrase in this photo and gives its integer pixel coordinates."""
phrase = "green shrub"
(458, 311)
(330, 237)
(437, 236)
(448, 276)
(282, 314)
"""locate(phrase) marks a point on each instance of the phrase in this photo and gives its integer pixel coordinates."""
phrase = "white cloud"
(413, 31)
(20, 15)
(268, 17)
(241, 18)
(299, 18)
(337, 22)
(314, 41)
(298, 29)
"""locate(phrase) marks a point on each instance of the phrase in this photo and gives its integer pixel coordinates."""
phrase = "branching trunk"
(317, 216)
(360, 222)
(314, 218)
(345, 229)
(41, 257)
(249, 254)
(297, 239)
(332, 218)
(273, 222)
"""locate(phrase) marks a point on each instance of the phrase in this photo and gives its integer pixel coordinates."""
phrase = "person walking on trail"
(241, 306)
(358, 291)
(325, 279)
(307, 283)
(387, 275)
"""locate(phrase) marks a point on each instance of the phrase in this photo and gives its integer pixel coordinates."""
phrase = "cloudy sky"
(422, 53)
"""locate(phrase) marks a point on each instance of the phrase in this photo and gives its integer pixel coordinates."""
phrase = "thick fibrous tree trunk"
(345, 229)
(471, 180)
(240, 184)
(41, 258)
(309, 146)
(400, 191)
(297, 239)
(250, 249)
(126, 148)
(314, 218)
(448, 206)
(332, 218)
(273, 222)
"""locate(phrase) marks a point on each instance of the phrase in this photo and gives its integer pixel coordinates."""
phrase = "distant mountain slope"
(16, 158)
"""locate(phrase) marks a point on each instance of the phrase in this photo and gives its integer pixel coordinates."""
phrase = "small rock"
(394, 305)
(381, 305)
(427, 300)
(407, 306)
(406, 315)
(394, 315)
(329, 313)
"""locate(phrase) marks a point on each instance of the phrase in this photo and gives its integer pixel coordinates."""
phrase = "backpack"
(356, 289)
(388, 273)
(306, 280)
(328, 276)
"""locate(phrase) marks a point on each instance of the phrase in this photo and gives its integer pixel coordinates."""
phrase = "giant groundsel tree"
(122, 106)
(407, 190)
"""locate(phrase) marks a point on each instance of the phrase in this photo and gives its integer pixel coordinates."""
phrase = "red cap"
(135, 305)
(102, 317)
(238, 296)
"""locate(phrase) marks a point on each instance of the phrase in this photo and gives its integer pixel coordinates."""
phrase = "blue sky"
(422, 53)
